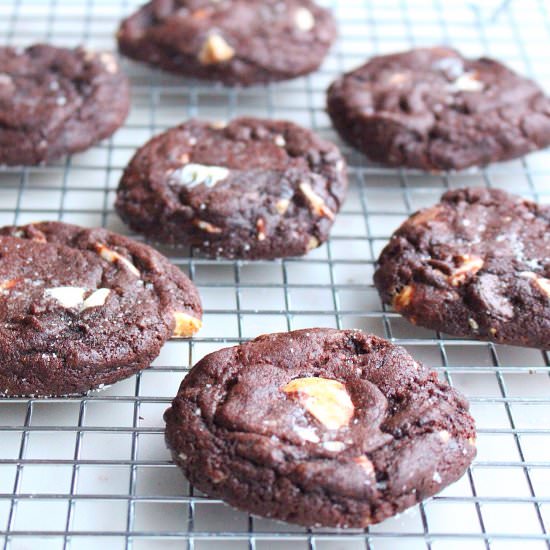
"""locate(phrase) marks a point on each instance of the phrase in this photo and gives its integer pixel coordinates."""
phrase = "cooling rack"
(94, 472)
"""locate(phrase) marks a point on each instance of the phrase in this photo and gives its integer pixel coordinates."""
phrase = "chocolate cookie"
(230, 41)
(56, 101)
(252, 189)
(319, 427)
(477, 264)
(80, 308)
(435, 110)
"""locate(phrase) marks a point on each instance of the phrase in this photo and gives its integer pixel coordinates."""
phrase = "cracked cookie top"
(56, 101)
(232, 41)
(83, 307)
(433, 109)
(252, 189)
(319, 427)
(477, 264)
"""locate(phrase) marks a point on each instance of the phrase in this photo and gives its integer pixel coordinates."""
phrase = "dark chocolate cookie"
(477, 264)
(319, 427)
(80, 308)
(251, 189)
(231, 41)
(435, 110)
(56, 101)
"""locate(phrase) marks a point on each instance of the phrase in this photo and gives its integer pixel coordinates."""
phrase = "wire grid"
(90, 472)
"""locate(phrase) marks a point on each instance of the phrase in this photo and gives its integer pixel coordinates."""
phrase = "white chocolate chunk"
(313, 243)
(450, 65)
(307, 434)
(316, 203)
(193, 175)
(303, 19)
(282, 206)
(327, 400)
(542, 283)
(72, 297)
(215, 50)
(207, 226)
(186, 325)
(468, 268)
(6, 79)
(397, 79)
(96, 299)
(114, 257)
(280, 141)
(109, 62)
(365, 463)
(260, 228)
(69, 297)
(467, 82)
(334, 446)
(6, 285)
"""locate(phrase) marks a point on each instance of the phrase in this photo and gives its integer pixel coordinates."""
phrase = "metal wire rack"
(94, 472)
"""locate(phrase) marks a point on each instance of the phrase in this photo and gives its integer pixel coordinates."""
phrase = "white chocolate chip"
(96, 299)
(444, 435)
(437, 477)
(304, 19)
(215, 50)
(193, 175)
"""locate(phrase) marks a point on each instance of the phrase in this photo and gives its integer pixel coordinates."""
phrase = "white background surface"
(94, 472)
